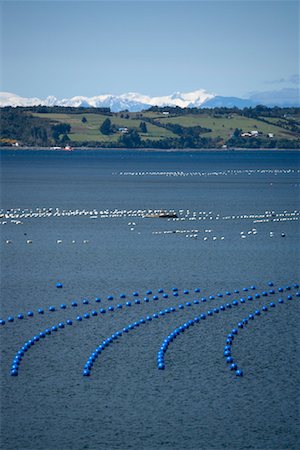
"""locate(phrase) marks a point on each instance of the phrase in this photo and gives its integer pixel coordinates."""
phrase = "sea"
(114, 325)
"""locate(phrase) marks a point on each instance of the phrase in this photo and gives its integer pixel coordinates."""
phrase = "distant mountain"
(228, 102)
(131, 101)
(134, 101)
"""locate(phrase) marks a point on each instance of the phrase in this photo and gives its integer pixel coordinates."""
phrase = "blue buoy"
(97, 299)
(51, 308)
(74, 304)
(63, 306)
(59, 285)
(40, 311)
(10, 319)
(30, 314)
(110, 297)
(197, 290)
(135, 294)
(239, 373)
(85, 301)
(20, 316)
(122, 296)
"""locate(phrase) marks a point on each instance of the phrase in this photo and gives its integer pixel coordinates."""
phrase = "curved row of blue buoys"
(112, 338)
(27, 345)
(175, 291)
(246, 321)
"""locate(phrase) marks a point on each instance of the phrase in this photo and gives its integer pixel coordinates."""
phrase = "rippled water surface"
(237, 227)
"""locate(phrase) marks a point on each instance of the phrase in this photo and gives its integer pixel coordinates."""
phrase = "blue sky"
(67, 48)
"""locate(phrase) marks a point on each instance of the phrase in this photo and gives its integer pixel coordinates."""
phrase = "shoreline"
(169, 150)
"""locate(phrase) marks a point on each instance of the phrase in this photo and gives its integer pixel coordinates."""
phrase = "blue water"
(127, 403)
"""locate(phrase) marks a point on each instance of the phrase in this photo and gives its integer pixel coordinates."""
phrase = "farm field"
(222, 127)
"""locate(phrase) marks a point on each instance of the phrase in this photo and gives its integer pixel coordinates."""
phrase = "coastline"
(169, 150)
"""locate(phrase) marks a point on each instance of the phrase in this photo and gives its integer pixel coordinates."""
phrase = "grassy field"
(224, 127)
(89, 131)
(221, 126)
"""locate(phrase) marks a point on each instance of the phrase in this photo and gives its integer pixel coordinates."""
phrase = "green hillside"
(157, 127)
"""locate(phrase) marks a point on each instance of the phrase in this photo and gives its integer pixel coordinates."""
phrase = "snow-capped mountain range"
(134, 101)
(131, 101)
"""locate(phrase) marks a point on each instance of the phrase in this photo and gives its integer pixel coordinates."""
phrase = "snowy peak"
(132, 101)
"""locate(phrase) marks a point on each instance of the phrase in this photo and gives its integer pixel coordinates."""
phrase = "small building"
(123, 129)
(166, 113)
(270, 135)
